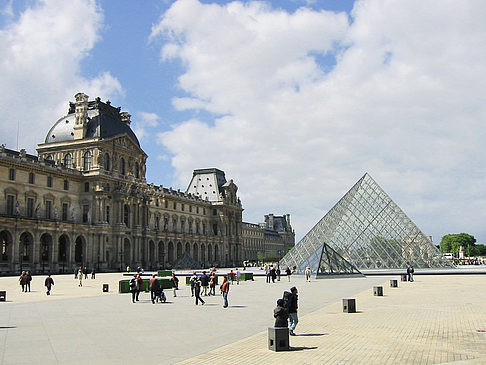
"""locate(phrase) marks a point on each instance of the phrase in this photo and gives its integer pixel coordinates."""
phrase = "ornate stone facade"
(84, 200)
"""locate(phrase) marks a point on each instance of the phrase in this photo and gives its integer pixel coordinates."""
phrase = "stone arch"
(161, 253)
(80, 250)
(127, 257)
(188, 248)
(179, 250)
(45, 248)
(170, 253)
(216, 253)
(5, 246)
(195, 253)
(210, 254)
(151, 252)
(26, 249)
(106, 162)
(63, 249)
(203, 254)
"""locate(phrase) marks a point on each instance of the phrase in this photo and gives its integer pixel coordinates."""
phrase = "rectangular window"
(64, 211)
(48, 209)
(215, 229)
(108, 213)
(197, 210)
(190, 208)
(215, 212)
(156, 202)
(182, 207)
(85, 213)
(30, 207)
(175, 206)
(10, 204)
(166, 204)
(204, 211)
(11, 174)
(86, 187)
(66, 185)
(49, 181)
(31, 178)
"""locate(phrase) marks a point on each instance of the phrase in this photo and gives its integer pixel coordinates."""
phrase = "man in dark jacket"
(204, 282)
(281, 314)
(48, 283)
(292, 307)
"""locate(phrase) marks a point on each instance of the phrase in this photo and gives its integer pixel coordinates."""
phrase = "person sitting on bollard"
(281, 314)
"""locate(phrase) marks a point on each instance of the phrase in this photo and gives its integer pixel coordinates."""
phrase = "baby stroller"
(160, 296)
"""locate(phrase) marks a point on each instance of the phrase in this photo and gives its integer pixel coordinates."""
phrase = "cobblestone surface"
(434, 320)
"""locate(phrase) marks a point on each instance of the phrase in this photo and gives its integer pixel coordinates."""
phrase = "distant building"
(267, 241)
(84, 201)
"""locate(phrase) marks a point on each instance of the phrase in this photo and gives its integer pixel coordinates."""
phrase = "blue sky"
(295, 100)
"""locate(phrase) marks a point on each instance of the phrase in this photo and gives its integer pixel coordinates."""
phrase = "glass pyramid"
(367, 229)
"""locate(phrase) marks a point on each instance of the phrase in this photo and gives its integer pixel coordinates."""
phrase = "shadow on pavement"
(312, 334)
(301, 348)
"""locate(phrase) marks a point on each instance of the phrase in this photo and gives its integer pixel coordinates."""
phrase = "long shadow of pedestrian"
(312, 334)
(301, 348)
(237, 306)
(1, 328)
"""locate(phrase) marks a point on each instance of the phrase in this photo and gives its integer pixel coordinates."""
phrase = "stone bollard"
(403, 277)
(349, 305)
(105, 288)
(3, 296)
(378, 291)
(393, 283)
(278, 338)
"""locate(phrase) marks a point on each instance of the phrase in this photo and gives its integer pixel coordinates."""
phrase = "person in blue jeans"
(225, 291)
(292, 307)
(410, 271)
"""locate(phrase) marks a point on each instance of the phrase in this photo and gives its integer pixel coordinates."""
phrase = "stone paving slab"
(434, 320)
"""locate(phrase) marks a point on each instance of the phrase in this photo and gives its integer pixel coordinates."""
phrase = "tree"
(479, 250)
(453, 242)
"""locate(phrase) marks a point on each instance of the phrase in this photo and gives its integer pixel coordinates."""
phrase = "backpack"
(286, 298)
(133, 283)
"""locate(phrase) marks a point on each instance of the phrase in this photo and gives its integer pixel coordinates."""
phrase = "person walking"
(28, 279)
(80, 276)
(75, 273)
(212, 283)
(278, 273)
(48, 283)
(193, 282)
(86, 273)
(22, 280)
(204, 283)
(281, 314)
(267, 272)
(292, 306)
(410, 272)
(140, 285)
(238, 276)
(93, 274)
(288, 272)
(197, 291)
(134, 287)
(175, 283)
(225, 291)
(273, 274)
(154, 286)
(308, 274)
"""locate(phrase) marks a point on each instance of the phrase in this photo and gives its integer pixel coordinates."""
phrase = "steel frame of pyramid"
(369, 231)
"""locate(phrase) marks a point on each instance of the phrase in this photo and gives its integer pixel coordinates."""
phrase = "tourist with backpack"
(134, 287)
(290, 302)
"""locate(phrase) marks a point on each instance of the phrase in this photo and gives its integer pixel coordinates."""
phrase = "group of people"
(80, 272)
(205, 282)
(286, 311)
(24, 280)
(272, 273)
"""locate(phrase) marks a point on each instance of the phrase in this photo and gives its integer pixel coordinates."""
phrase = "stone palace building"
(84, 200)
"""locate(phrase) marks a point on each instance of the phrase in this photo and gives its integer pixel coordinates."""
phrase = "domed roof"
(104, 121)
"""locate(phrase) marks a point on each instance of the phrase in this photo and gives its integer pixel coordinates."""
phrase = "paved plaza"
(436, 319)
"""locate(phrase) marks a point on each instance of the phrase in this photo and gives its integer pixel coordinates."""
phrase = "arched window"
(68, 161)
(126, 215)
(137, 170)
(87, 161)
(107, 162)
(122, 166)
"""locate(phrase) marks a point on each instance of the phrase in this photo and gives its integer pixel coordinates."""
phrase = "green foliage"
(453, 242)
(479, 250)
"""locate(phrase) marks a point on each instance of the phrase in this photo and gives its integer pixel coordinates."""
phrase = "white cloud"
(403, 102)
(40, 66)
(143, 122)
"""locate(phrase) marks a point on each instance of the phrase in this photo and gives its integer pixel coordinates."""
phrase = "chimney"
(81, 115)
(125, 118)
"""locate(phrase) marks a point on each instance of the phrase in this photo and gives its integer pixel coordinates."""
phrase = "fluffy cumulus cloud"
(145, 122)
(306, 102)
(42, 49)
